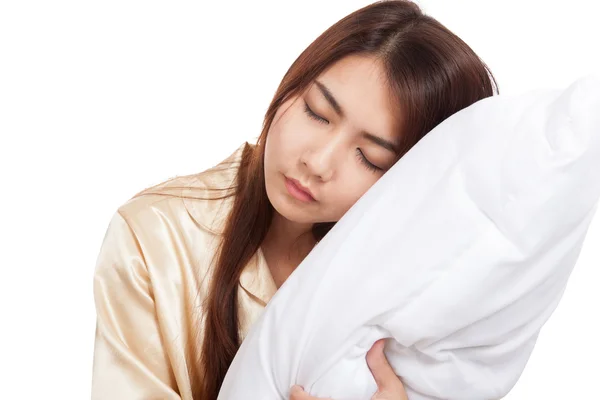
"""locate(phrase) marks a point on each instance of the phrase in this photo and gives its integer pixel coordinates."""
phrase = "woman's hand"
(389, 386)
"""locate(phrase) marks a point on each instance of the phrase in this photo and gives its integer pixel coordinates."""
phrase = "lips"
(301, 188)
(304, 189)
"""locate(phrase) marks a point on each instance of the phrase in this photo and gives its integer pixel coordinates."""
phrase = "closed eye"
(370, 166)
(314, 116)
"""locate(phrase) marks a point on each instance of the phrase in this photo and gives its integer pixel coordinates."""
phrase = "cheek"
(294, 130)
(281, 136)
(343, 198)
(348, 194)
(275, 150)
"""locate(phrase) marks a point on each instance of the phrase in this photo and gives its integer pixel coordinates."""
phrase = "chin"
(286, 207)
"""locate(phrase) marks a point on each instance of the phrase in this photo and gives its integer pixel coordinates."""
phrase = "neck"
(287, 241)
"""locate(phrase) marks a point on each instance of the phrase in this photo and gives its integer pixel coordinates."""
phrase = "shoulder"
(167, 233)
(205, 197)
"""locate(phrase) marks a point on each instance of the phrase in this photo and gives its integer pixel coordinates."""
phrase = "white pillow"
(459, 254)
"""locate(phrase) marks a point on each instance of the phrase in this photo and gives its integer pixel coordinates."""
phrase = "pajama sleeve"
(130, 361)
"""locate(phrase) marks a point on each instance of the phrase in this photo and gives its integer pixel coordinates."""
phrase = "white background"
(99, 100)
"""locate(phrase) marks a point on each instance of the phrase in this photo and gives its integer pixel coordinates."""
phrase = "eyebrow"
(386, 144)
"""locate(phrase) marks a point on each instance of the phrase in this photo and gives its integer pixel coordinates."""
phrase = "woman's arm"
(129, 359)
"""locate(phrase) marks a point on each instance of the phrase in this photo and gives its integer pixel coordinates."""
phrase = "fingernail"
(296, 388)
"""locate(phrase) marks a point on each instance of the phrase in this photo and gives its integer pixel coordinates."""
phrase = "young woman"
(188, 265)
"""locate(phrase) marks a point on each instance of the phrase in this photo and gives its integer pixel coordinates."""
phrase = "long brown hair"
(432, 74)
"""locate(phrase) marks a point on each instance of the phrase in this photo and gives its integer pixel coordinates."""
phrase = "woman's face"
(331, 153)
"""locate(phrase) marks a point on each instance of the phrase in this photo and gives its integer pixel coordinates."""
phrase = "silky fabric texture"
(458, 255)
(151, 276)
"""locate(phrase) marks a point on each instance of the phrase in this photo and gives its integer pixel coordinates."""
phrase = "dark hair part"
(432, 74)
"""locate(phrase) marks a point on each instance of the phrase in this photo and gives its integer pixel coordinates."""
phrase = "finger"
(382, 371)
(298, 393)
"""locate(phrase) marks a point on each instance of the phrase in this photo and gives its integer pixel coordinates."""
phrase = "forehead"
(359, 84)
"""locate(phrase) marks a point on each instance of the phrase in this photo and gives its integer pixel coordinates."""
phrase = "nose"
(321, 160)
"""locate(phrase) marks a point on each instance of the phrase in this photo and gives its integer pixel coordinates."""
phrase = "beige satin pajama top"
(151, 275)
